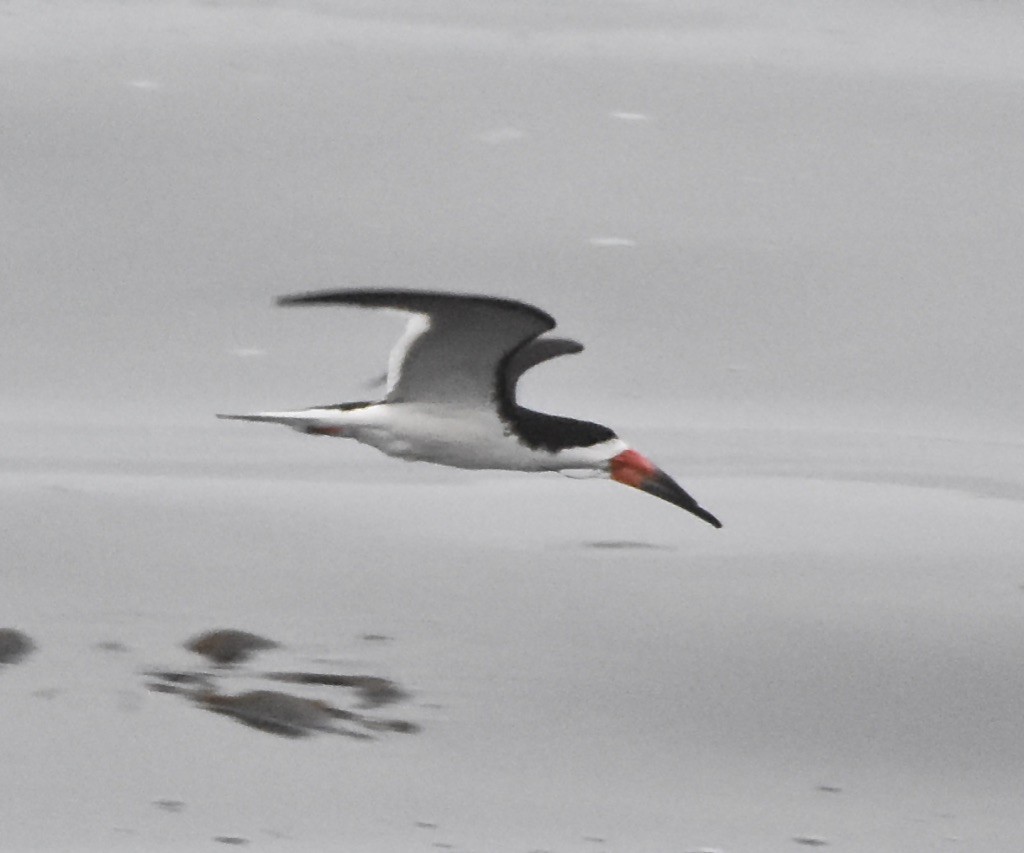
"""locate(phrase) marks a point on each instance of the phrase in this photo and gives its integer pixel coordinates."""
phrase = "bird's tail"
(298, 420)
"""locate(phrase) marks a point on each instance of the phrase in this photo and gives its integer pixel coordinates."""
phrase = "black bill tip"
(661, 485)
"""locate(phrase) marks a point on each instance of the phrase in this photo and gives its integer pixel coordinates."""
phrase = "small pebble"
(14, 645)
(227, 646)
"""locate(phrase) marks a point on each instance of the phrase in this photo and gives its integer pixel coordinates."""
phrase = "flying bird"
(451, 395)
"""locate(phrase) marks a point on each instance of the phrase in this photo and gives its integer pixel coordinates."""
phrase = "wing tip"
(297, 298)
(389, 298)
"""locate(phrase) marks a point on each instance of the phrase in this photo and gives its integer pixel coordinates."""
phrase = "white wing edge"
(418, 325)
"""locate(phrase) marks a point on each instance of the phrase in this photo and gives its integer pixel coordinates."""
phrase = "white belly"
(459, 438)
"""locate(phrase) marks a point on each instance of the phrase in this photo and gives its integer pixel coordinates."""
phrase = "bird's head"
(634, 469)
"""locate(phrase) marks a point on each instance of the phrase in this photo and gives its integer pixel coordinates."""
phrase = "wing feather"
(533, 353)
(453, 351)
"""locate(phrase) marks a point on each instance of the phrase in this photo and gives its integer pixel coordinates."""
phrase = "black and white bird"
(451, 395)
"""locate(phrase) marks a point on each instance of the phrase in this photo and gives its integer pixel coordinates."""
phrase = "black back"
(540, 431)
(552, 432)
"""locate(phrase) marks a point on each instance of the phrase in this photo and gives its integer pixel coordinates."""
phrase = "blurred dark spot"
(15, 646)
(110, 646)
(227, 646)
(377, 638)
(46, 693)
(625, 545)
(423, 824)
(594, 839)
(810, 841)
(275, 833)
(830, 789)
(172, 806)
(230, 839)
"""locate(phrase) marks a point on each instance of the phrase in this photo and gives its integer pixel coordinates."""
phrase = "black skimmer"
(450, 396)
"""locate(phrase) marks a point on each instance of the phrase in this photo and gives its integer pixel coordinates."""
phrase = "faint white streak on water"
(501, 135)
(622, 115)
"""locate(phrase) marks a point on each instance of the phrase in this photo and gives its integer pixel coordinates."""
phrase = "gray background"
(789, 235)
(825, 206)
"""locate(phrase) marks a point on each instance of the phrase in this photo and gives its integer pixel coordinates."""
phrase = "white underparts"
(458, 437)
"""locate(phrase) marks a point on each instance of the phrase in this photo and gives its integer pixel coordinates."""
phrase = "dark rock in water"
(193, 679)
(375, 724)
(162, 687)
(373, 690)
(15, 646)
(227, 646)
(272, 711)
(181, 683)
